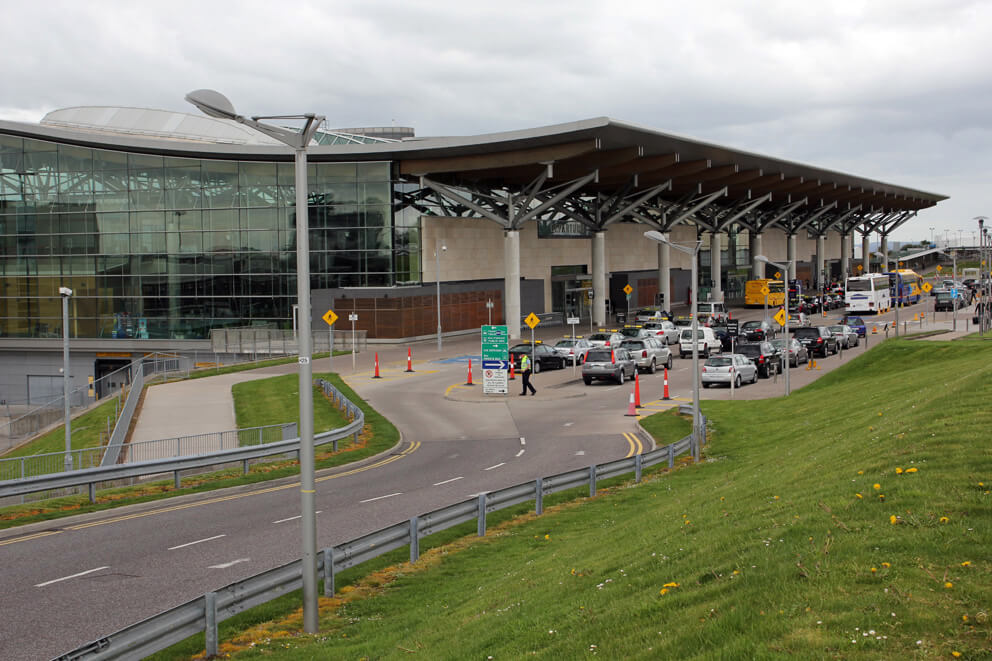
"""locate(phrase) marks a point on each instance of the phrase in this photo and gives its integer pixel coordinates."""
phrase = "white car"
(846, 336)
(706, 342)
(716, 311)
(728, 368)
(605, 338)
(649, 353)
(666, 331)
(572, 350)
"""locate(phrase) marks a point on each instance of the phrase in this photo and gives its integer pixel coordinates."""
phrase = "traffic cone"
(666, 385)
(916, 317)
(631, 408)
(512, 377)
(409, 360)
(376, 366)
(469, 382)
(637, 390)
(874, 330)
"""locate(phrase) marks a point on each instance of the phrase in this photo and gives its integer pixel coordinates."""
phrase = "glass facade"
(163, 247)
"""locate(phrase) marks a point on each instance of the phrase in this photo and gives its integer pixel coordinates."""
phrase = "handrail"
(205, 613)
(90, 477)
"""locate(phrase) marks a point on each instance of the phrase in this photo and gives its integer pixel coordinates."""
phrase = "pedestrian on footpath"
(525, 370)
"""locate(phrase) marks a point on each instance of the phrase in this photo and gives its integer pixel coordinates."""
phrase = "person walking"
(525, 370)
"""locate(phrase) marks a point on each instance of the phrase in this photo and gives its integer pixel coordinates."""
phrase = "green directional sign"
(495, 343)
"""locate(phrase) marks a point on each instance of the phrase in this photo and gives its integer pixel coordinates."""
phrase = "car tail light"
(644, 354)
(819, 340)
(607, 343)
(704, 368)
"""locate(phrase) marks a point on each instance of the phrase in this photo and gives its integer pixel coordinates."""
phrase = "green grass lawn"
(850, 520)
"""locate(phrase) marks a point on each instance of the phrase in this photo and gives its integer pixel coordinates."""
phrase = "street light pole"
(437, 277)
(215, 104)
(788, 327)
(66, 293)
(693, 253)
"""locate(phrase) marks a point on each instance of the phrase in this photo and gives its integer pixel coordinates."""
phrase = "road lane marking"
(520, 453)
(199, 541)
(225, 565)
(27, 538)
(293, 518)
(502, 463)
(66, 578)
(390, 495)
(635, 444)
(454, 479)
(524, 442)
(580, 453)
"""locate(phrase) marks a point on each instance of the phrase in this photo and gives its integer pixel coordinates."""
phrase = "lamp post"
(788, 327)
(693, 252)
(66, 293)
(215, 104)
(437, 278)
(932, 244)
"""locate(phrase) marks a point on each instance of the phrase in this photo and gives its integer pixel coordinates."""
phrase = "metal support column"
(866, 254)
(665, 275)
(791, 258)
(511, 284)
(845, 256)
(600, 291)
(716, 293)
(821, 246)
(757, 268)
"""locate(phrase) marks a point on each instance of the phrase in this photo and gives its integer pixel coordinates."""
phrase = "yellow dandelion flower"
(948, 585)
(870, 428)
(859, 496)
(886, 565)
(876, 486)
(721, 497)
(893, 519)
(776, 497)
(736, 572)
(881, 496)
(664, 591)
(944, 519)
(873, 570)
(687, 522)
(912, 470)
(955, 654)
(880, 414)
(964, 618)
(981, 484)
(898, 470)
(573, 572)
(547, 537)
(861, 472)
(966, 563)
(672, 584)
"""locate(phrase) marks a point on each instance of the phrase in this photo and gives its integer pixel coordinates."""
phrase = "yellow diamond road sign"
(765, 291)
(939, 268)
(778, 274)
(780, 317)
(532, 320)
(861, 267)
(927, 287)
(329, 317)
(627, 289)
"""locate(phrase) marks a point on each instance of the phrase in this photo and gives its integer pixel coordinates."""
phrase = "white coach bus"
(868, 293)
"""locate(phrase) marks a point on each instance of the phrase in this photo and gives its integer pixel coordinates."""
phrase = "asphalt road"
(70, 581)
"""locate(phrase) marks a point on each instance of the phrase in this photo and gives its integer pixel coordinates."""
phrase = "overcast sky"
(894, 90)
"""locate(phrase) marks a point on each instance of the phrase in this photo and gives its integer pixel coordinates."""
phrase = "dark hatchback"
(766, 357)
(818, 340)
(545, 357)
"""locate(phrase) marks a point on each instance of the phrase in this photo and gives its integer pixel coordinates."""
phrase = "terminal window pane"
(334, 172)
(148, 242)
(184, 198)
(220, 219)
(110, 161)
(75, 159)
(182, 173)
(258, 174)
(373, 171)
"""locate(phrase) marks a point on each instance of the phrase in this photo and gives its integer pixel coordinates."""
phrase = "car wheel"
(706, 385)
(737, 381)
(537, 366)
(653, 368)
(620, 376)
(588, 380)
(681, 355)
(668, 363)
(754, 378)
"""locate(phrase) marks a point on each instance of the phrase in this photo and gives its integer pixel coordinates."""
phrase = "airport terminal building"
(170, 226)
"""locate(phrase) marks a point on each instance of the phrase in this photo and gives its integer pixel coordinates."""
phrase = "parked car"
(573, 350)
(798, 320)
(648, 353)
(706, 342)
(728, 368)
(765, 357)
(651, 314)
(608, 365)
(634, 332)
(758, 331)
(544, 357)
(797, 352)
(847, 337)
(857, 323)
(605, 338)
(666, 331)
(818, 340)
(948, 300)
(712, 310)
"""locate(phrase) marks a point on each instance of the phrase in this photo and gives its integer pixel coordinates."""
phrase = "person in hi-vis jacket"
(525, 370)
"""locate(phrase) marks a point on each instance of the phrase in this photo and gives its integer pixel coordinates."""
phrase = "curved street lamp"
(788, 326)
(215, 104)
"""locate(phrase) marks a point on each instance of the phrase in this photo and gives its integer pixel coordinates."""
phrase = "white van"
(707, 342)
(712, 310)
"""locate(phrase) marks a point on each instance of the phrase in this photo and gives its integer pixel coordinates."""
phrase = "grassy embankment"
(263, 402)
(850, 520)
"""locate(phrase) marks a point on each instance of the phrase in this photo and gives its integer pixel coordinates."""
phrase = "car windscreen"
(633, 344)
(751, 324)
(630, 332)
(566, 343)
(599, 337)
(835, 329)
(520, 348)
(687, 334)
(719, 361)
(599, 356)
(749, 350)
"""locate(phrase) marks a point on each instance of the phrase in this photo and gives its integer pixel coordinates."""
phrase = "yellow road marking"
(635, 444)
(413, 447)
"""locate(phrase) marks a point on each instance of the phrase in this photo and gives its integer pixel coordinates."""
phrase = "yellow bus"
(753, 295)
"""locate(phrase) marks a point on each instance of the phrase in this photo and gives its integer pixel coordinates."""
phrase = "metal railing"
(276, 341)
(93, 477)
(203, 614)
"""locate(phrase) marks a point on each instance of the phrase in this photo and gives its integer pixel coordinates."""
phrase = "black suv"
(766, 357)
(757, 331)
(818, 340)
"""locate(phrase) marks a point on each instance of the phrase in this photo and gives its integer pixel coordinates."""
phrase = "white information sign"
(494, 382)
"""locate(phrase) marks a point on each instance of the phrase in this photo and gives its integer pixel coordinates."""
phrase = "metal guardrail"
(91, 477)
(276, 341)
(205, 613)
(119, 435)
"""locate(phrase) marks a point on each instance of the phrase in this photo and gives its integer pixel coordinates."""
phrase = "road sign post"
(329, 319)
(572, 321)
(353, 317)
(627, 289)
(495, 348)
(532, 320)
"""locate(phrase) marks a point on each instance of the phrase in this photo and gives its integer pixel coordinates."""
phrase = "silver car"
(846, 336)
(573, 350)
(605, 338)
(665, 330)
(608, 364)
(649, 353)
(797, 352)
(728, 368)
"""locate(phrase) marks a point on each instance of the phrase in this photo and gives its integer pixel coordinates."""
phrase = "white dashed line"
(390, 495)
(502, 463)
(521, 452)
(580, 453)
(454, 479)
(293, 518)
(199, 541)
(524, 442)
(66, 578)
(225, 565)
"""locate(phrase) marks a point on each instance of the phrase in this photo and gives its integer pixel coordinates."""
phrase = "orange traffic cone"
(666, 385)
(637, 390)
(469, 382)
(512, 377)
(376, 366)
(409, 360)
(631, 409)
